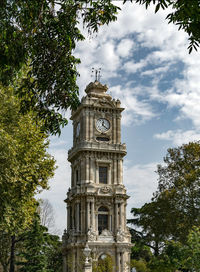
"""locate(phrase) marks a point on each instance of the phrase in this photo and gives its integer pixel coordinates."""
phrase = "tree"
(174, 208)
(152, 225)
(25, 166)
(185, 14)
(178, 186)
(103, 265)
(178, 256)
(140, 265)
(40, 251)
(54, 254)
(33, 257)
(46, 213)
(43, 35)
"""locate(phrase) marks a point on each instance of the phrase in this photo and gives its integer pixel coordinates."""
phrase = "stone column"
(125, 216)
(92, 169)
(122, 261)
(91, 126)
(83, 127)
(109, 174)
(96, 221)
(118, 129)
(92, 216)
(115, 171)
(77, 216)
(118, 262)
(116, 216)
(87, 166)
(120, 216)
(120, 171)
(113, 129)
(88, 215)
(87, 125)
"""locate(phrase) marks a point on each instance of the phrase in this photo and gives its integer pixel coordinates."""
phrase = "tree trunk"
(5, 268)
(12, 254)
(156, 250)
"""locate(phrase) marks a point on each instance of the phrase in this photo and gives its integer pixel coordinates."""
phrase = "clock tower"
(97, 199)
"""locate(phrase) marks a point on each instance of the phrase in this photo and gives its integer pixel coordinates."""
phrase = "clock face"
(103, 124)
(78, 127)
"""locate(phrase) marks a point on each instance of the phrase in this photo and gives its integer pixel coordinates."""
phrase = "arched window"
(102, 219)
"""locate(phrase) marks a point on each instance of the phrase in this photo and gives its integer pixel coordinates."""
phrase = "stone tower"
(96, 201)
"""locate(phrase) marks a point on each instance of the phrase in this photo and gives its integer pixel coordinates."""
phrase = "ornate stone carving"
(120, 235)
(105, 190)
(91, 235)
(106, 235)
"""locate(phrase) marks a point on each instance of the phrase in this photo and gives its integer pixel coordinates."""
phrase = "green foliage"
(36, 249)
(169, 224)
(40, 251)
(103, 265)
(37, 34)
(185, 256)
(179, 182)
(25, 166)
(140, 265)
(140, 251)
(185, 14)
(54, 254)
(152, 221)
(33, 258)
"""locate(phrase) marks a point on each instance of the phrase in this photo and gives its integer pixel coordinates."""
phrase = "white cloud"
(125, 47)
(133, 67)
(141, 182)
(179, 137)
(135, 111)
(153, 72)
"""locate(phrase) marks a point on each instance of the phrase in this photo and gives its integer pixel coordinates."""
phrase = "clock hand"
(104, 125)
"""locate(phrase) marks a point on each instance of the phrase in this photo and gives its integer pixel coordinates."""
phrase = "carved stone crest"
(105, 190)
(106, 235)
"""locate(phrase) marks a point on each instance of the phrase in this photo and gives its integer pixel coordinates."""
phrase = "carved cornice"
(97, 147)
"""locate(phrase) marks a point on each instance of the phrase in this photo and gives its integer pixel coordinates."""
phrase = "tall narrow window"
(103, 174)
(102, 219)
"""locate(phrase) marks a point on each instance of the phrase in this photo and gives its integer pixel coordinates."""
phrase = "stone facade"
(96, 201)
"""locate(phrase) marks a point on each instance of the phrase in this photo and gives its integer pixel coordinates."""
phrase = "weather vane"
(96, 73)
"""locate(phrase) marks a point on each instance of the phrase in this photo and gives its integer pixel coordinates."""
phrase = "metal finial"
(96, 73)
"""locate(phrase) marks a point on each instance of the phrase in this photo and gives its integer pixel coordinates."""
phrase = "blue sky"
(145, 63)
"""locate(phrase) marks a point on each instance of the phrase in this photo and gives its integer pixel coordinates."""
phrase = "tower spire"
(96, 73)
